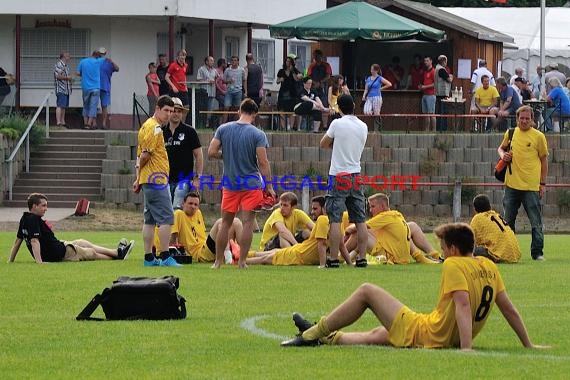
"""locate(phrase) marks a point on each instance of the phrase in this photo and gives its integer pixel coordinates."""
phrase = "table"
(456, 104)
(539, 108)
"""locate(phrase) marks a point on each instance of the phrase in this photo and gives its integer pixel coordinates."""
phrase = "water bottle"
(454, 94)
(460, 94)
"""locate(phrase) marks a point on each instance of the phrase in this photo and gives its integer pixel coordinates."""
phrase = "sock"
(164, 255)
(317, 331)
(149, 256)
(420, 258)
(332, 338)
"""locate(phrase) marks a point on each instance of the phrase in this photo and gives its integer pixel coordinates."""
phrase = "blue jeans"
(531, 203)
(178, 191)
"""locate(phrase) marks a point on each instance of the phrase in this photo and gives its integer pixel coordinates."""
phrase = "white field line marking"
(250, 325)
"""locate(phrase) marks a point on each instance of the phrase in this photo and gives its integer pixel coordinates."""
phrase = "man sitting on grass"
(286, 226)
(470, 286)
(494, 239)
(311, 251)
(390, 237)
(189, 231)
(44, 246)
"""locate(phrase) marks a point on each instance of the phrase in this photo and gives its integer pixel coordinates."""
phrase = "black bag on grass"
(138, 298)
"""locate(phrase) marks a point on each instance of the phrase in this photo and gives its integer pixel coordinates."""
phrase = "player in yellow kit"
(312, 251)
(494, 238)
(391, 236)
(287, 225)
(470, 286)
(189, 231)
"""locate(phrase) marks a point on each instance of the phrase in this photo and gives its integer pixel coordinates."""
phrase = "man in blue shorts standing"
(89, 70)
(346, 137)
(108, 67)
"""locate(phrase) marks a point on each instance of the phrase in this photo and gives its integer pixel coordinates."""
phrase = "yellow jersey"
(527, 147)
(305, 253)
(298, 220)
(392, 236)
(493, 233)
(487, 97)
(151, 140)
(191, 232)
(479, 277)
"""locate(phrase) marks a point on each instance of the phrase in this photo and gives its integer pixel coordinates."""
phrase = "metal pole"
(542, 40)
(47, 119)
(305, 199)
(10, 179)
(27, 153)
(457, 201)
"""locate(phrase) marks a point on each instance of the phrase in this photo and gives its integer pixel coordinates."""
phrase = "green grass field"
(236, 320)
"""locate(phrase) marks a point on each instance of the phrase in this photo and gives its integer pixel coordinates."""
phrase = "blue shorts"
(90, 103)
(62, 100)
(105, 98)
(428, 104)
(233, 99)
(157, 205)
(344, 195)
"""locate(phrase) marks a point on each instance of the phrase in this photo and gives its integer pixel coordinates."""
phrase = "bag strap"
(377, 77)
(511, 133)
(182, 307)
(85, 314)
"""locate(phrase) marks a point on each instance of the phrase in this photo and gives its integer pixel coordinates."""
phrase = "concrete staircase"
(65, 168)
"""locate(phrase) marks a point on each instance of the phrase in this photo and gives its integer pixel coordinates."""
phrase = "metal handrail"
(26, 137)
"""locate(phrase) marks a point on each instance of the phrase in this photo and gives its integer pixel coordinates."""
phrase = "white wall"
(89, 7)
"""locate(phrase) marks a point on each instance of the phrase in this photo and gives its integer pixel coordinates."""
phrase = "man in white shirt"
(346, 137)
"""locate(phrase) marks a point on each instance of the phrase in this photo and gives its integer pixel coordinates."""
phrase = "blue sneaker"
(170, 262)
(153, 263)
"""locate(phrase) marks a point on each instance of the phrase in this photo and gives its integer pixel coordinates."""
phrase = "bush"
(15, 126)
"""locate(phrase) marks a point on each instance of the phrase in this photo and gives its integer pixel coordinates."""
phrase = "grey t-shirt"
(239, 143)
(236, 76)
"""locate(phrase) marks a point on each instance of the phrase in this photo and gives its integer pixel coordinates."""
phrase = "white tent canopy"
(523, 24)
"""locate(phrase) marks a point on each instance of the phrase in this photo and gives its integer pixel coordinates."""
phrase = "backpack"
(131, 298)
(82, 207)
(501, 166)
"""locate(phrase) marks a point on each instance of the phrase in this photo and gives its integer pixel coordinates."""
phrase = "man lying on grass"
(44, 246)
(469, 288)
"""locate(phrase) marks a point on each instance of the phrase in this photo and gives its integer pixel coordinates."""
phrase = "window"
(41, 48)
(232, 48)
(303, 52)
(264, 53)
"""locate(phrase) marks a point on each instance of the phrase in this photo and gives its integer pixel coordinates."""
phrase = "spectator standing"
(416, 73)
(253, 79)
(221, 86)
(5, 81)
(288, 77)
(394, 73)
(62, 82)
(161, 70)
(234, 77)
(89, 69)
(525, 179)
(536, 83)
(152, 171)
(428, 98)
(346, 137)
(207, 73)
(185, 157)
(153, 87)
(245, 156)
(176, 79)
(519, 73)
(372, 96)
(108, 67)
(443, 79)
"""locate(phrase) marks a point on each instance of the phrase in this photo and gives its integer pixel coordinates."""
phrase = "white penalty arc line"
(250, 324)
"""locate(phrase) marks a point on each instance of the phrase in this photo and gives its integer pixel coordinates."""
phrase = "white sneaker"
(228, 256)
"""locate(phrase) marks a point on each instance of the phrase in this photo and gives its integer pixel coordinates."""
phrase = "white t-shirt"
(477, 74)
(349, 134)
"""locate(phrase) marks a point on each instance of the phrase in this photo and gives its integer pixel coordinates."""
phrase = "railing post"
(457, 201)
(10, 179)
(47, 119)
(305, 199)
(27, 153)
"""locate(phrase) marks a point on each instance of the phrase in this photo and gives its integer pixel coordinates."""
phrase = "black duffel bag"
(138, 298)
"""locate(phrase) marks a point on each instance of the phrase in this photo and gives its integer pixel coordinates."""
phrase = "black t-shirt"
(179, 147)
(312, 94)
(289, 86)
(34, 227)
(163, 87)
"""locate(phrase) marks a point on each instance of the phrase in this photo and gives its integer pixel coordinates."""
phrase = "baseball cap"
(178, 104)
(102, 50)
(292, 55)
(520, 79)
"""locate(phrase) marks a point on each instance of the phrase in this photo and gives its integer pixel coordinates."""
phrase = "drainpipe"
(18, 58)
(211, 38)
(249, 37)
(171, 38)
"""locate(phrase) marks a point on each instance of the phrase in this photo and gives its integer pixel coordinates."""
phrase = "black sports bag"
(138, 298)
